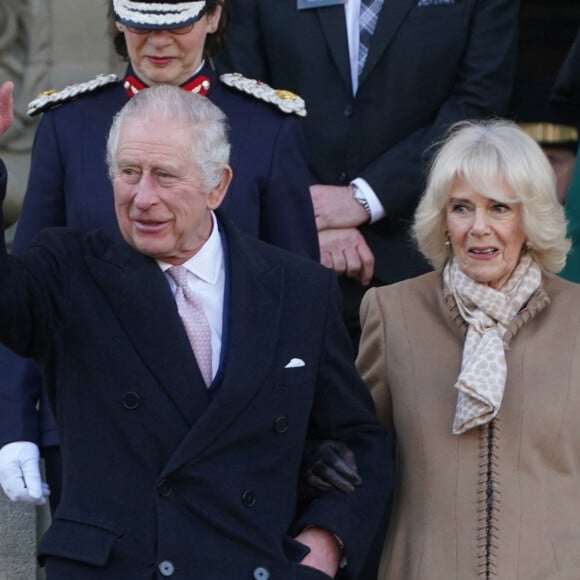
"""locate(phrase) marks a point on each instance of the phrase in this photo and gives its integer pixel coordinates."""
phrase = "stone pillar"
(46, 45)
(43, 45)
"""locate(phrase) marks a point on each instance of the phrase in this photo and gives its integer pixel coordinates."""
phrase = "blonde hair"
(481, 152)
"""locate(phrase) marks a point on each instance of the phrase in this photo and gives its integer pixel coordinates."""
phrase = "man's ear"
(216, 195)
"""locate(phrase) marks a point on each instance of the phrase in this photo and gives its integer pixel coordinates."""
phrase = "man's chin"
(152, 250)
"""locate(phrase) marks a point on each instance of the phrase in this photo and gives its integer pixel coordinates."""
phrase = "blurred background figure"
(557, 133)
(547, 32)
(566, 100)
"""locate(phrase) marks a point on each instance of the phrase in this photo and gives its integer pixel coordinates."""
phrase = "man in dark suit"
(430, 63)
(68, 183)
(168, 472)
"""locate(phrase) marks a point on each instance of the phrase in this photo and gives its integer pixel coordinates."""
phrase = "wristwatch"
(360, 198)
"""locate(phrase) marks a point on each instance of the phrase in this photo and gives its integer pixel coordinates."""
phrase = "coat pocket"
(80, 541)
(567, 556)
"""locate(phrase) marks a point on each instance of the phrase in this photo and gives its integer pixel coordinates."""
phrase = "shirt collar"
(207, 263)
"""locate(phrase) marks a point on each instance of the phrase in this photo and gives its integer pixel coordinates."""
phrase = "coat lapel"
(141, 299)
(333, 24)
(390, 18)
(256, 297)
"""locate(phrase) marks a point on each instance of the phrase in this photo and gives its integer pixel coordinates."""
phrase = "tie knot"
(179, 275)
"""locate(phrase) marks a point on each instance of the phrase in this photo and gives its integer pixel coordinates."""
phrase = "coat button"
(348, 111)
(249, 498)
(281, 425)
(131, 401)
(164, 488)
(261, 573)
(166, 568)
(342, 178)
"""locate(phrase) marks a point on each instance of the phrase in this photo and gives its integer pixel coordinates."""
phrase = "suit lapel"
(141, 299)
(333, 24)
(390, 18)
(256, 298)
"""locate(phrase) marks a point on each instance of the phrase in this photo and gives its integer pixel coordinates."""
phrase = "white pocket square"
(294, 363)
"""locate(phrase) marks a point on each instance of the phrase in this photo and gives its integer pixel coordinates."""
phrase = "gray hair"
(210, 148)
(480, 152)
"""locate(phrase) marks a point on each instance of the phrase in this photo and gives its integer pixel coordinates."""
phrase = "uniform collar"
(199, 83)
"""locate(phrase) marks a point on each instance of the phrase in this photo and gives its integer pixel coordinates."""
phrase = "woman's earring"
(447, 240)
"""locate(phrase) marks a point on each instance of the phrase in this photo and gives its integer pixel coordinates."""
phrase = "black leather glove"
(328, 465)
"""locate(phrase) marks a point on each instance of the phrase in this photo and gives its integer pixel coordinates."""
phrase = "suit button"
(261, 573)
(249, 498)
(164, 488)
(348, 111)
(342, 178)
(281, 425)
(166, 568)
(131, 401)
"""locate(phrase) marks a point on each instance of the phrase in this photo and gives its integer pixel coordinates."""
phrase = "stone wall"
(44, 44)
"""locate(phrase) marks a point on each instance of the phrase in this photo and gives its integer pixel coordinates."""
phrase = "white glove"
(20, 473)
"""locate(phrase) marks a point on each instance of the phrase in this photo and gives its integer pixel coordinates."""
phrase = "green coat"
(572, 269)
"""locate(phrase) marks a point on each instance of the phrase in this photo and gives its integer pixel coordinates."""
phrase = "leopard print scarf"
(487, 312)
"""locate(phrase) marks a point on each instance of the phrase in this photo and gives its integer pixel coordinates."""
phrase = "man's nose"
(145, 192)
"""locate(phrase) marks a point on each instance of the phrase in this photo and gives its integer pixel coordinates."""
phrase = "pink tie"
(195, 321)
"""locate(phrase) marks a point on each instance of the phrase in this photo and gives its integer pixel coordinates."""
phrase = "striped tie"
(369, 14)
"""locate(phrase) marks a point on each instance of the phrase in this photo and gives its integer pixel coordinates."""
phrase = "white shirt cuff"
(376, 207)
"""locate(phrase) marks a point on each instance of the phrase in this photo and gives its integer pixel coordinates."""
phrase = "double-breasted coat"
(161, 477)
(69, 186)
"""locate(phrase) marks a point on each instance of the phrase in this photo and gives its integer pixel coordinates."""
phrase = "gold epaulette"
(286, 101)
(550, 133)
(49, 99)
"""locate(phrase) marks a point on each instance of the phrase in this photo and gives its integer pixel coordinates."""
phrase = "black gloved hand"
(329, 465)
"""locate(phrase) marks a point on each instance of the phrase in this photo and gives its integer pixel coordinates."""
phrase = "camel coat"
(501, 501)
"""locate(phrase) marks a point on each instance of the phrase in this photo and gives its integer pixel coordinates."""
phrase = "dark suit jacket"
(428, 66)
(158, 476)
(69, 186)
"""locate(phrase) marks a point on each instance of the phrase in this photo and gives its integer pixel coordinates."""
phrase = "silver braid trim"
(158, 14)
